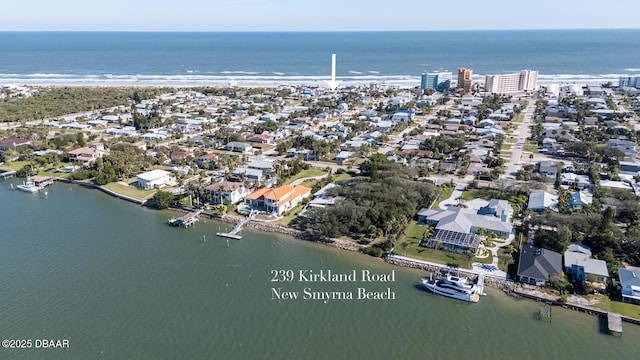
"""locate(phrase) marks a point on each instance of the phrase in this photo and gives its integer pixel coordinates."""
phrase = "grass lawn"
(292, 214)
(445, 193)
(130, 191)
(342, 177)
(14, 165)
(530, 147)
(619, 307)
(413, 234)
(313, 171)
(518, 118)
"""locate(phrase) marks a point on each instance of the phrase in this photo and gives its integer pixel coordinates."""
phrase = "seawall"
(105, 190)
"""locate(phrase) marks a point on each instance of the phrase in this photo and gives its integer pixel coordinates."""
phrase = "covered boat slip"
(42, 181)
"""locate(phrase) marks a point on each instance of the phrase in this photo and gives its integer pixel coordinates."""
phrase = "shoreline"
(507, 286)
(188, 81)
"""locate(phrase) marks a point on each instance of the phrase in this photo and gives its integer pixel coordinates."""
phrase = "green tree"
(162, 199)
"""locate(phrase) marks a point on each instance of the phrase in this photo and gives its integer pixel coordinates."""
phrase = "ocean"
(116, 282)
(268, 58)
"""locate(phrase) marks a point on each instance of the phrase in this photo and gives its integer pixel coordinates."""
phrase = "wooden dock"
(614, 323)
(186, 220)
(7, 174)
(480, 284)
(233, 234)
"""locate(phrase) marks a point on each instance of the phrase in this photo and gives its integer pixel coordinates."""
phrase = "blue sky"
(319, 15)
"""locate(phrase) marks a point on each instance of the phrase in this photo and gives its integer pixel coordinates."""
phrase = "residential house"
(574, 180)
(539, 200)
(626, 146)
(226, 192)
(581, 267)
(253, 175)
(579, 199)
(458, 229)
(261, 139)
(180, 155)
(239, 147)
(537, 265)
(343, 157)
(547, 168)
(154, 179)
(630, 283)
(87, 155)
(12, 143)
(206, 159)
(262, 165)
(277, 200)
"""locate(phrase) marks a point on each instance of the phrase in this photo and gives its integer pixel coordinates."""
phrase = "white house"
(154, 179)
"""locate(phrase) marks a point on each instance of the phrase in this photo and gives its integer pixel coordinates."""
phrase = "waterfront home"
(537, 265)
(226, 192)
(458, 229)
(277, 200)
(630, 285)
(154, 179)
(539, 200)
(87, 155)
(581, 267)
(239, 147)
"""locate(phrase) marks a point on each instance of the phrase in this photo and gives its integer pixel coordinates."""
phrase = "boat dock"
(480, 284)
(614, 323)
(7, 174)
(186, 220)
(42, 181)
(233, 234)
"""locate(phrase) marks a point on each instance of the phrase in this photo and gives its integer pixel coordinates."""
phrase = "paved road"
(524, 132)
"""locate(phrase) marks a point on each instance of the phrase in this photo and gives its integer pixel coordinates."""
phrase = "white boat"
(453, 287)
(28, 186)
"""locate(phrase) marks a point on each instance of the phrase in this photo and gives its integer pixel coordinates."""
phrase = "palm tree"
(468, 256)
(437, 243)
(428, 232)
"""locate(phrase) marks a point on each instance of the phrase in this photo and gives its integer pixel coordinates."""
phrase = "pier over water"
(186, 220)
(233, 234)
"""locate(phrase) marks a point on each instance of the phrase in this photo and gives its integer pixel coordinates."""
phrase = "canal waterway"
(117, 282)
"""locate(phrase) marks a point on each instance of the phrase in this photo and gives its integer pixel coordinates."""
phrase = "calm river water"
(117, 282)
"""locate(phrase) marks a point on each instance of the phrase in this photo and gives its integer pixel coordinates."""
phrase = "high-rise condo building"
(629, 81)
(436, 81)
(465, 79)
(525, 80)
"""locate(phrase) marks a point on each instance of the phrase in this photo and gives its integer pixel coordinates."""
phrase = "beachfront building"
(537, 265)
(525, 80)
(154, 179)
(277, 200)
(630, 283)
(436, 81)
(226, 192)
(581, 267)
(465, 79)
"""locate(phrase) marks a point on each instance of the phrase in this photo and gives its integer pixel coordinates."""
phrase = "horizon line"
(307, 31)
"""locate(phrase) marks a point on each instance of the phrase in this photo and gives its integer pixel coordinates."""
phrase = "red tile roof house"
(13, 142)
(176, 155)
(277, 200)
(262, 139)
